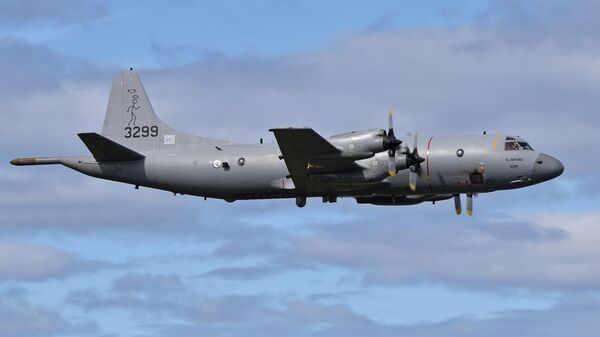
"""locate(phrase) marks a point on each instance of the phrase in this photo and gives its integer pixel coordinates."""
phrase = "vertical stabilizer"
(130, 119)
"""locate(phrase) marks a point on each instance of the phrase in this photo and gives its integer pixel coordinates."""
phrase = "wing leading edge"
(306, 152)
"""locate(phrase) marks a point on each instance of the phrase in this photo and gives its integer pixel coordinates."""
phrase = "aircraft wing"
(304, 150)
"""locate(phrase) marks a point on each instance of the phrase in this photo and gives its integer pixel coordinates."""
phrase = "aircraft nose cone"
(546, 167)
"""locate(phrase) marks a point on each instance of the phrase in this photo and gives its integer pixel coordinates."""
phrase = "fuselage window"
(511, 146)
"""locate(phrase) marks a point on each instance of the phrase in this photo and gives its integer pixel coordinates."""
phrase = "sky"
(85, 257)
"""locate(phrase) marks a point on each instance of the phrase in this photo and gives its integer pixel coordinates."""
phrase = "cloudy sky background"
(84, 257)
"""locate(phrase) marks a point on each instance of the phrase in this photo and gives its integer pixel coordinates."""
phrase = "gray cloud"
(38, 68)
(541, 252)
(529, 72)
(32, 262)
(167, 296)
(436, 79)
(434, 76)
(28, 262)
(172, 55)
(204, 312)
(573, 317)
(59, 12)
(19, 317)
(570, 24)
(250, 272)
(523, 250)
(186, 312)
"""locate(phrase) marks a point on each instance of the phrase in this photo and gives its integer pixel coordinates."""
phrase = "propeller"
(391, 144)
(413, 161)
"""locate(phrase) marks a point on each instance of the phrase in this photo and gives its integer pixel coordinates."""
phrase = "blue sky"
(129, 31)
(80, 256)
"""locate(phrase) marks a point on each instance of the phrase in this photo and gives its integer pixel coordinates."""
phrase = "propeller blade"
(414, 160)
(391, 143)
(470, 204)
(457, 206)
(415, 142)
(392, 166)
(412, 180)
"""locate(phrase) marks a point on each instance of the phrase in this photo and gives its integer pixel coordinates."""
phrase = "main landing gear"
(300, 201)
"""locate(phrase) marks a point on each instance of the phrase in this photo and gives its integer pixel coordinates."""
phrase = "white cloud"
(183, 311)
(29, 262)
(509, 77)
(554, 251)
(20, 317)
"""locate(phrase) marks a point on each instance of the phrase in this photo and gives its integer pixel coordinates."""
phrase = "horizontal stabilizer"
(104, 149)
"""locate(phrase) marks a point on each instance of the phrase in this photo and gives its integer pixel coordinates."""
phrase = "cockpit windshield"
(513, 144)
(525, 146)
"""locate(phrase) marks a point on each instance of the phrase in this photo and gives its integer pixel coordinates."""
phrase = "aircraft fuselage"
(373, 166)
(453, 165)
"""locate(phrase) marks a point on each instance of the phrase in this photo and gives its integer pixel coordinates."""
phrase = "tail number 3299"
(144, 131)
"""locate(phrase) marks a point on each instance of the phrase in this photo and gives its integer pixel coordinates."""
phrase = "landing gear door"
(477, 177)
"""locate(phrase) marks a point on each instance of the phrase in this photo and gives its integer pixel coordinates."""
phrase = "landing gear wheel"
(301, 201)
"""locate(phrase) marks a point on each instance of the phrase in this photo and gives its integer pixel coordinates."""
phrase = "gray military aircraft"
(372, 166)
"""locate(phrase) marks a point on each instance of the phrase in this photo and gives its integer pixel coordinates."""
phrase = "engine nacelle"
(372, 170)
(365, 141)
(359, 177)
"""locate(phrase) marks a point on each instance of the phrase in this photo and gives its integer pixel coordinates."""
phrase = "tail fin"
(130, 119)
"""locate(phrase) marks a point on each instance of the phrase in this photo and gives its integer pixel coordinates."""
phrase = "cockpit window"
(511, 145)
(514, 144)
(525, 146)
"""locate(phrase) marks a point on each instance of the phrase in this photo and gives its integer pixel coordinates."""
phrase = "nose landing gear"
(457, 205)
